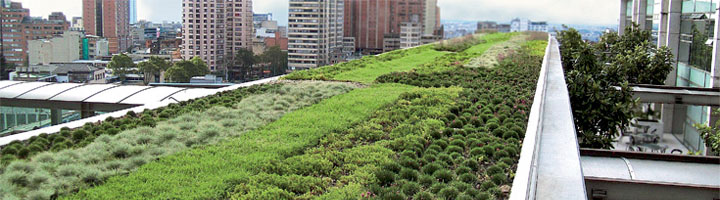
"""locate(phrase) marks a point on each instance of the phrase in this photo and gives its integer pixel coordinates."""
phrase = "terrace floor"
(666, 140)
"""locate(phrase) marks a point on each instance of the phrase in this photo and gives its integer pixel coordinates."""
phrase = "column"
(640, 13)
(715, 71)
(661, 11)
(623, 16)
(55, 116)
(672, 41)
(86, 110)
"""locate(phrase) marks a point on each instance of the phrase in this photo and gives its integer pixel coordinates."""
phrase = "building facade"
(690, 29)
(315, 33)
(63, 48)
(18, 27)
(94, 48)
(109, 19)
(370, 22)
(214, 30)
(410, 34)
(523, 25)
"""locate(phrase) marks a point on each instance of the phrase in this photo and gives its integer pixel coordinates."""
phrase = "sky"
(587, 12)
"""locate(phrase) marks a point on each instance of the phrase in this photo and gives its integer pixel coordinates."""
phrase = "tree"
(277, 59)
(711, 134)
(598, 78)
(153, 67)
(241, 64)
(183, 71)
(5, 68)
(121, 65)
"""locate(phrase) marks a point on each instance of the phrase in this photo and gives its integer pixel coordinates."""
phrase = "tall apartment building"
(315, 33)
(109, 19)
(371, 22)
(216, 29)
(18, 27)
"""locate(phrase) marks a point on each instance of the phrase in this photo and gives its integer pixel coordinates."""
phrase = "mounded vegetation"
(69, 170)
(81, 137)
(430, 129)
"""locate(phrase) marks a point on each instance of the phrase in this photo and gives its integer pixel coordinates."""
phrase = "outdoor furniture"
(655, 148)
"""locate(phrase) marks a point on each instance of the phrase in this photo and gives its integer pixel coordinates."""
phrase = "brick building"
(109, 19)
(18, 27)
(371, 22)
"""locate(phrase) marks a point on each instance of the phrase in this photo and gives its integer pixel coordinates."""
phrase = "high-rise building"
(371, 22)
(216, 29)
(315, 33)
(109, 19)
(132, 8)
(18, 27)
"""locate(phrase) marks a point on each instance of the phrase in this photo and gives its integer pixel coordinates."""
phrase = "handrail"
(549, 165)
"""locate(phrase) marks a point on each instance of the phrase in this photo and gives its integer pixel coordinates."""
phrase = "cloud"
(160, 10)
(592, 12)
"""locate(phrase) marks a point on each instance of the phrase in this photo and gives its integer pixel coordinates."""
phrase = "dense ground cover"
(329, 72)
(425, 128)
(208, 171)
(50, 173)
(475, 156)
(443, 142)
(427, 58)
(369, 73)
(80, 137)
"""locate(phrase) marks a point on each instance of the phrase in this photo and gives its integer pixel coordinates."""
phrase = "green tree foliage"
(598, 78)
(711, 134)
(241, 64)
(277, 59)
(153, 67)
(121, 65)
(5, 68)
(183, 71)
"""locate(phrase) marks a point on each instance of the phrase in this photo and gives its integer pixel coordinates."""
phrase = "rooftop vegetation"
(419, 125)
(110, 155)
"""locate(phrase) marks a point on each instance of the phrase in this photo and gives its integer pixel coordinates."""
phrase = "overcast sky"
(590, 12)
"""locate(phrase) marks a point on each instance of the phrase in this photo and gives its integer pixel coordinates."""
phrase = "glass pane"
(705, 6)
(650, 7)
(688, 6)
(629, 8)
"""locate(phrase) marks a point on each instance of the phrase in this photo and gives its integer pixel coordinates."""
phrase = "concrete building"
(77, 24)
(18, 27)
(689, 28)
(431, 18)
(315, 33)
(410, 34)
(94, 48)
(214, 30)
(369, 22)
(523, 25)
(63, 48)
(109, 19)
(491, 26)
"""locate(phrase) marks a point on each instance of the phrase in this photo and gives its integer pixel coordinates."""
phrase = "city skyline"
(590, 12)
